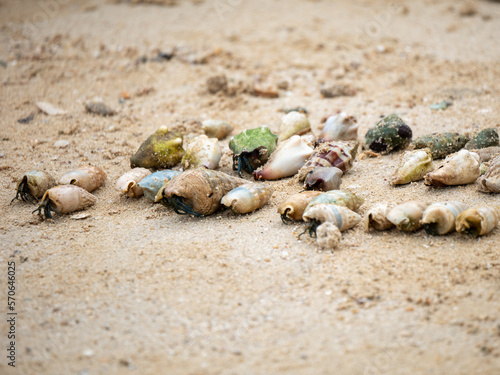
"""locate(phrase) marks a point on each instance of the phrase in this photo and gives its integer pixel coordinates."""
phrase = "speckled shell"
(339, 128)
(324, 179)
(152, 183)
(340, 198)
(202, 152)
(376, 217)
(216, 128)
(88, 177)
(328, 236)
(413, 166)
(293, 207)
(342, 217)
(254, 144)
(484, 138)
(248, 197)
(288, 158)
(478, 221)
(390, 133)
(338, 154)
(128, 183)
(439, 218)
(68, 198)
(201, 189)
(441, 144)
(293, 123)
(457, 169)
(163, 149)
(490, 181)
(33, 185)
(407, 216)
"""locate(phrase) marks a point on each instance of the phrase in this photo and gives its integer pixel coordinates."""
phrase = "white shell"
(342, 217)
(439, 218)
(490, 181)
(202, 151)
(248, 197)
(127, 184)
(457, 169)
(69, 198)
(478, 221)
(413, 166)
(406, 216)
(376, 217)
(291, 124)
(328, 236)
(324, 179)
(216, 128)
(339, 128)
(88, 177)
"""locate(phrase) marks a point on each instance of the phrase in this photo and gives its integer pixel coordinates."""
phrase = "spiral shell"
(199, 191)
(484, 138)
(414, 165)
(128, 183)
(324, 179)
(490, 181)
(293, 123)
(478, 221)
(63, 199)
(376, 217)
(152, 183)
(202, 152)
(390, 133)
(339, 128)
(292, 208)
(247, 197)
(328, 236)
(439, 218)
(342, 217)
(338, 197)
(338, 154)
(406, 216)
(441, 144)
(457, 169)
(216, 128)
(33, 185)
(88, 177)
(288, 158)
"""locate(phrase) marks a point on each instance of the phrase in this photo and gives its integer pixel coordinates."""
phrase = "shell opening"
(180, 207)
(471, 228)
(73, 181)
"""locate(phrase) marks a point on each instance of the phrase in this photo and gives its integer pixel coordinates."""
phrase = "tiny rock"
(216, 84)
(61, 143)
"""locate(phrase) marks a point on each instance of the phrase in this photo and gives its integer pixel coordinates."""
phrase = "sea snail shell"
(88, 177)
(64, 199)
(33, 185)
(439, 218)
(128, 183)
(247, 197)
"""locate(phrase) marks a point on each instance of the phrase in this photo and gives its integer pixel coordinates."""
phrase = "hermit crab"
(33, 185)
(342, 217)
(292, 208)
(439, 218)
(490, 181)
(406, 216)
(63, 199)
(152, 183)
(414, 165)
(478, 221)
(457, 169)
(128, 182)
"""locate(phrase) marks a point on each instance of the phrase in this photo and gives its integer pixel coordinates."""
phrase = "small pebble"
(80, 216)
(337, 90)
(61, 143)
(99, 108)
(216, 84)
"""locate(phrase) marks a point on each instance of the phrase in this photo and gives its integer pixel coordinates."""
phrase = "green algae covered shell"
(162, 150)
(390, 133)
(484, 138)
(441, 144)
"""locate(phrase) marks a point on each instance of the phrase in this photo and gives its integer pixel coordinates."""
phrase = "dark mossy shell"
(441, 144)
(390, 133)
(484, 138)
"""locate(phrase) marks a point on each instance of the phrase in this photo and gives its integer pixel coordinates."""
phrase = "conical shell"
(338, 154)
(328, 236)
(490, 181)
(484, 138)
(202, 152)
(376, 217)
(478, 221)
(216, 128)
(152, 183)
(324, 179)
(33, 185)
(414, 165)
(342, 217)
(69, 198)
(340, 198)
(293, 207)
(128, 183)
(441, 144)
(288, 158)
(248, 197)
(199, 191)
(439, 218)
(339, 128)
(293, 123)
(88, 177)
(458, 169)
(407, 216)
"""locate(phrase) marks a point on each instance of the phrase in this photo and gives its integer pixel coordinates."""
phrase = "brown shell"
(88, 177)
(293, 207)
(490, 181)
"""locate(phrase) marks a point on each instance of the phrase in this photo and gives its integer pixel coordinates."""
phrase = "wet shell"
(342, 217)
(247, 197)
(202, 152)
(441, 144)
(252, 148)
(163, 149)
(152, 183)
(324, 179)
(340, 198)
(478, 221)
(288, 158)
(390, 133)
(293, 207)
(439, 218)
(376, 217)
(293, 123)
(33, 185)
(328, 236)
(457, 169)
(88, 177)
(199, 191)
(338, 154)
(339, 128)
(216, 128)
(407, 216)
(414, 165)
(490, 181)
(64, 199)
(484, 138)
(128, 183)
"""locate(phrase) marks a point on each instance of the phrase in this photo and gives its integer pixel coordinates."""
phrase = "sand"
(136, 288)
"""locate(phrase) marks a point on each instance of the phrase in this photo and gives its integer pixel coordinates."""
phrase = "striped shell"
(128, 183)
(490, 181)
(248, 197)
(457, 169)
(478, 221)
(64, 199)
(439, 218)
(342, 217)
(292, 208)
(88, 177)
(407, 216)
